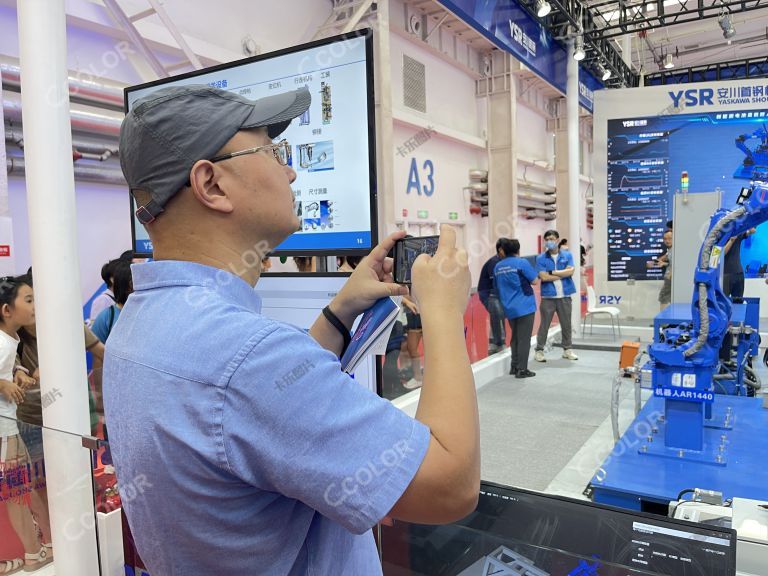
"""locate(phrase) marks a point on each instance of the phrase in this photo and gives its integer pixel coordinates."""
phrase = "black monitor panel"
(514, 532)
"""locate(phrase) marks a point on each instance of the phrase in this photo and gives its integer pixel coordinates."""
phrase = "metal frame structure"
(619, 17)
(750, 68)
(569, 17)
(601, 21)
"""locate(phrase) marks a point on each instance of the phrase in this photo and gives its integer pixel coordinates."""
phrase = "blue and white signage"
(755, 93)
(511, 28)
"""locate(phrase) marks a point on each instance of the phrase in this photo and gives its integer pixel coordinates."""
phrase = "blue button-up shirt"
(239, 444)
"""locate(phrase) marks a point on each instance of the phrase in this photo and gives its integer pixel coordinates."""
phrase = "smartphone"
(407, 250)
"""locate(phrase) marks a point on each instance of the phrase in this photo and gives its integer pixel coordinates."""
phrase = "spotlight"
(604, 72)
(542, 8)
(578, 48)
(668, 62)
(727, 26)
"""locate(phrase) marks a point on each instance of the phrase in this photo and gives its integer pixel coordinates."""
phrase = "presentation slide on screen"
(651, 158)
(329, 143)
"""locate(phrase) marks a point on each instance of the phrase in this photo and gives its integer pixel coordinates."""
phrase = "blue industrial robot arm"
(711, 308)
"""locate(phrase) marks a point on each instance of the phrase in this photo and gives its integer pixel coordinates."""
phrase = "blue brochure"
(372, 330)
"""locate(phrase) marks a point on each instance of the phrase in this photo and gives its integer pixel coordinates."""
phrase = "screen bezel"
(488, 486)
(684, 524)
(366, 33)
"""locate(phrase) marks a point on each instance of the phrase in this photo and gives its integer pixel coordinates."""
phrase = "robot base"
(638, 481)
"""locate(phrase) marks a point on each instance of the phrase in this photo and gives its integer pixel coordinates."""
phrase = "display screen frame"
(476, 523)
(365, 33)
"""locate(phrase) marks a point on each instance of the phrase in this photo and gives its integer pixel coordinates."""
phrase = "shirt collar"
(168, 273)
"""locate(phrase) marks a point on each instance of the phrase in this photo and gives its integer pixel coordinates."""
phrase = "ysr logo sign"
(609, 299)
(694, 97)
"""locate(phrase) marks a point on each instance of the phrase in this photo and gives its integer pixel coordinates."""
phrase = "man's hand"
(371, 281)
(11, 392)
(441, 283)
(23, 380)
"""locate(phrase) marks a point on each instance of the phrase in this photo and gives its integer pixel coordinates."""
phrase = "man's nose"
(291, 174)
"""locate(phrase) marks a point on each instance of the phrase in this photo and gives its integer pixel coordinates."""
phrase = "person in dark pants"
(555, 269)
(514, 280)
(733, 272)
(489, 296)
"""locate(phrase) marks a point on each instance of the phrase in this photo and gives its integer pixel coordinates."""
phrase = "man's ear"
(204, 182)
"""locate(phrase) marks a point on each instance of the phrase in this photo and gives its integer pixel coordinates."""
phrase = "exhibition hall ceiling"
(702, 42)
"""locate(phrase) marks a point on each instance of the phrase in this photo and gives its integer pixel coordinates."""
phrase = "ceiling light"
(668, 62)
(542, 8)
(578, 48)
(604, 72)
(725, 23)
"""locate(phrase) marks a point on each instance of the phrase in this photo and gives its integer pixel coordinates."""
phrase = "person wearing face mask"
(555, 268)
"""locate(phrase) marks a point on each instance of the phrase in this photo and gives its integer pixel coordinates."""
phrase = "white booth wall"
(457, 145)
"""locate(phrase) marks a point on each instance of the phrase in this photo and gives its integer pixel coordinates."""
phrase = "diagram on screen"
(325, 102)
(315, 156)
(318, 215)
(755, 165)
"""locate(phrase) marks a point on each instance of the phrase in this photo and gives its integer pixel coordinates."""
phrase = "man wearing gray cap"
(251, 452)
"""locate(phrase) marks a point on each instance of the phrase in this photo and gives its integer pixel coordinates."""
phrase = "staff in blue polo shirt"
(555, 267)
(514, 278)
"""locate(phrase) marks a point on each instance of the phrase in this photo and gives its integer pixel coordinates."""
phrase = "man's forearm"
(448, 403)
(547, 277)
(326, 334)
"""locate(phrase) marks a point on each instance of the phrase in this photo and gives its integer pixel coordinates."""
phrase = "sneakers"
(525, 374)
(539, 356)
(412, 384)
(569, 355)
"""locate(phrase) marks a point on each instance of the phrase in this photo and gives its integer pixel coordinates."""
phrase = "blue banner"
(512, 29)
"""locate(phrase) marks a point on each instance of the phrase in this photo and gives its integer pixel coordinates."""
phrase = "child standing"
(17, 309)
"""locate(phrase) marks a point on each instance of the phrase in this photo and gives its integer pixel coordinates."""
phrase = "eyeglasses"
(281, 151)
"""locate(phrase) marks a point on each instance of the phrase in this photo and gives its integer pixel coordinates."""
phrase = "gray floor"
(532, 428)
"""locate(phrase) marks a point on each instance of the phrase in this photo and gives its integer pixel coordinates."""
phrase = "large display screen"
(513, 531)
(649, 159)
(332, 144)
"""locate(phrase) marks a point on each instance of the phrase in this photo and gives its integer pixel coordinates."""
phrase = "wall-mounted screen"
(650, 159)
(332, 144)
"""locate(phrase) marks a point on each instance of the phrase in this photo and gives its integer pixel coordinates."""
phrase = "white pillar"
(53, 238)
(575, 215)
(385, 150)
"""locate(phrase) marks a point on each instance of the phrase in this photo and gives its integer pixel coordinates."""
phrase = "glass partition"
(47, 473)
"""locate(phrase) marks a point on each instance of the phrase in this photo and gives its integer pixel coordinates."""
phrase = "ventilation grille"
(414, 84)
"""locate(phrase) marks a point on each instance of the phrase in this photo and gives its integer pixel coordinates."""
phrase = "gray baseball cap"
(166, 132)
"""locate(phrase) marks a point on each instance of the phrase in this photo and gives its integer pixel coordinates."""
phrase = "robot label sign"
(687, 395)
